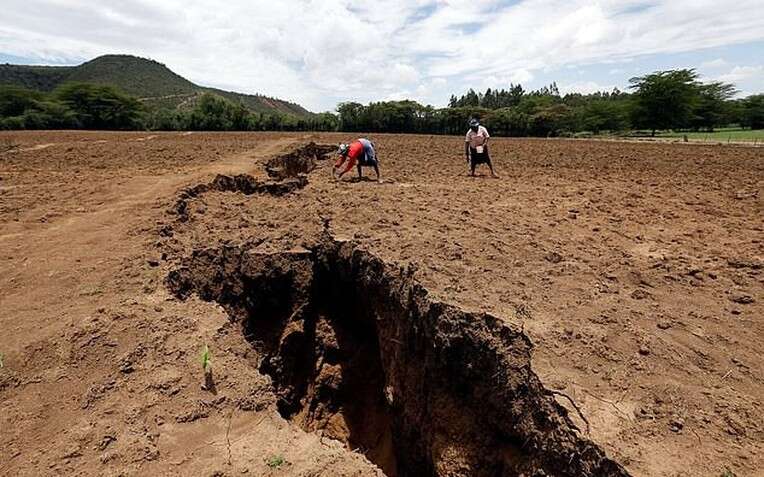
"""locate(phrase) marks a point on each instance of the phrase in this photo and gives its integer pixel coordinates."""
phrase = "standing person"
(359, 152)
(476, 147)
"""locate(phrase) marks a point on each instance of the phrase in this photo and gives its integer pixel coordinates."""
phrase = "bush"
(14, 101)
(166, 120)
(12, 123)
(100, 107)
(215, 113)
(753, 112)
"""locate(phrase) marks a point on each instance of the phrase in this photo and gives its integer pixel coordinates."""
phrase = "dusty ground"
(636, 269)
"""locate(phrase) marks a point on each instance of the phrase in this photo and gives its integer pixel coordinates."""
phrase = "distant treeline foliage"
(675, 100)
(92, 106)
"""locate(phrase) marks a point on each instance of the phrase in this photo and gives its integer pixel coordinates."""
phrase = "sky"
(321, 52)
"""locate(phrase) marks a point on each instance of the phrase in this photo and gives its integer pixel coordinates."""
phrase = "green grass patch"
(720, 135)
(275, 461)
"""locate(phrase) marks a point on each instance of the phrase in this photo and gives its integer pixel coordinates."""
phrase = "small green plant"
(1, 360)
(275, 461)
(206, 361)
(728, 473)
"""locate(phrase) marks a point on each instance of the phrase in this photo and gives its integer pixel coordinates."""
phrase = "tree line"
(92, 106)
(674, 99)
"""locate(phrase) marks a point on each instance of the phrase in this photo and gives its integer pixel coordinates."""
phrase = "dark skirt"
(479, 158)
(364, 161)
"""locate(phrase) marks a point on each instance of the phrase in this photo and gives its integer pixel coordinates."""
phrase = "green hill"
(150, 81)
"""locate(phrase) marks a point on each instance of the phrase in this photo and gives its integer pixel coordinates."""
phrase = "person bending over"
(358, 153)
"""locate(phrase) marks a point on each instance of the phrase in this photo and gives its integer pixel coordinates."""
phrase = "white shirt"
(478, 138)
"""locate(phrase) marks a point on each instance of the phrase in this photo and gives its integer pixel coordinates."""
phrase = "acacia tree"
(713, 106)
(753, 111)
(100, 106)
(665, 99)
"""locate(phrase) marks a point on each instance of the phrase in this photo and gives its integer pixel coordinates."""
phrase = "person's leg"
(376, 169)
(360, 173)
(490, 164)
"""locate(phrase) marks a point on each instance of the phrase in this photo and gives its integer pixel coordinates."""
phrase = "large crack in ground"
(357, 349)
(288, 173)
(302, 160)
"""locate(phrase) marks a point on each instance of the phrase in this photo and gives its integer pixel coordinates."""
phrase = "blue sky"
(321, 52)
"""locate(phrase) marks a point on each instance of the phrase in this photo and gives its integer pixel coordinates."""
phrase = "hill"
(152, 82)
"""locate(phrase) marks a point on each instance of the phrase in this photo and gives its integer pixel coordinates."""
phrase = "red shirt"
(356, 150)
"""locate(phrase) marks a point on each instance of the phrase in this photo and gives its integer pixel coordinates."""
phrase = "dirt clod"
(741, 298)
(676, 424)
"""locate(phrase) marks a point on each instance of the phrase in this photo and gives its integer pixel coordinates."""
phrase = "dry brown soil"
(623, 279)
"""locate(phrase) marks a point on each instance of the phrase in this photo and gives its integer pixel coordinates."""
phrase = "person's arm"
(467, 147)
(347, 168)
(337, 164)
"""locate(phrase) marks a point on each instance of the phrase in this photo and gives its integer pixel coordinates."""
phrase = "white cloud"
(520, 76)
(713, 64)
(319, 52)
(740, 73)
(584, 87)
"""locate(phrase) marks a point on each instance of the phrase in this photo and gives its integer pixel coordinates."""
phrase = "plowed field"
(597, 310)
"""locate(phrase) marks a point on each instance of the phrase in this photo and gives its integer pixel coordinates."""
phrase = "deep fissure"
(287, 172)
(302, 160)
(356, 349)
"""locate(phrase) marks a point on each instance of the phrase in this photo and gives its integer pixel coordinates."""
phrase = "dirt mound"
(357, 350)
(300, 161)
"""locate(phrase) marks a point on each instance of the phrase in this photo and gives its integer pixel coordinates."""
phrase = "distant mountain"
(152, 82)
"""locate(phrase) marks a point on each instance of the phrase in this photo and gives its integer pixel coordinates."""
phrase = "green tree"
(100, 107)
(551, 121)
(50, 115)
(604, 115)
(350, 116)
(15, 100)
(665, 99)
(509, 122)
(713, 107)
(166, 120)
(215, 113)
(753, 111)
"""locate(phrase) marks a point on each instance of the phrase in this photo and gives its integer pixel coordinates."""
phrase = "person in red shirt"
(358, 153)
